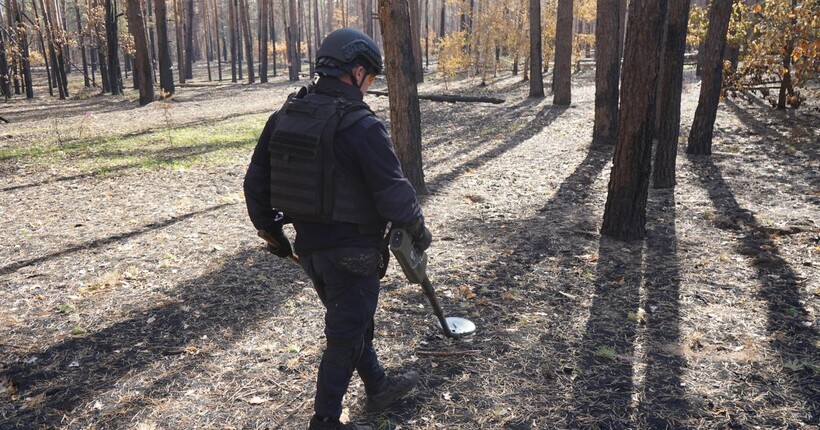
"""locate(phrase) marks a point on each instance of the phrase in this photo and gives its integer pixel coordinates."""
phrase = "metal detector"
(414, 265)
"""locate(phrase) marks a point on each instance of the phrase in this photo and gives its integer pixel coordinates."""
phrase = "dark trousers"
(347, 282)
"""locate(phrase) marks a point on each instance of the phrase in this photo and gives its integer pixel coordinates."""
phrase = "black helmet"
(345, 48)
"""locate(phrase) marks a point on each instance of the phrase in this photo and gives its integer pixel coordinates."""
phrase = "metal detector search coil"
(414, 265)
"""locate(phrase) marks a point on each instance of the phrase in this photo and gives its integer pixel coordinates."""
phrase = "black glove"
(278, 243)
(420, 234)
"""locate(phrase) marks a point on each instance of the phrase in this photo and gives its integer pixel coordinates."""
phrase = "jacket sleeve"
(257, 182)
(393, 194)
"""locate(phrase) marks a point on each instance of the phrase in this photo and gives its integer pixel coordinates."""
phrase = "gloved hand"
(420, 233)
(278, 243)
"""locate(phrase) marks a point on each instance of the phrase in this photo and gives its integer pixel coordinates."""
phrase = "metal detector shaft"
(427, 287)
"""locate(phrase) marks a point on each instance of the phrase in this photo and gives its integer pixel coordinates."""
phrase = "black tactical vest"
(307, 184)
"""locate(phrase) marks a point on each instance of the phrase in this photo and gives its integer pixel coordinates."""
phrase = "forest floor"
(136, 294)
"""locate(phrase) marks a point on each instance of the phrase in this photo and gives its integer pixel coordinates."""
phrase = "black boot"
(392, 388)
(323, 423)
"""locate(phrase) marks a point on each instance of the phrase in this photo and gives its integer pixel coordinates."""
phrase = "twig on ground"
(447, 353)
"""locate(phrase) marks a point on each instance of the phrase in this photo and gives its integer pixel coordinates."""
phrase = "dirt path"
(140, 298)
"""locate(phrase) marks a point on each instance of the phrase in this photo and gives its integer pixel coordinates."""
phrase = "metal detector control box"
(413, 263)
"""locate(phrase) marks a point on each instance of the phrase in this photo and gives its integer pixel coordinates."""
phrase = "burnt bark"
(292, 30)
(111, 41)
(189, 38)
(246, 32)
(700, 137)
(166, 75)
(562, 72)
(536, 58)
(669, 96)
(263, 40)
(607, 72)
(405, 114)
(142, 64)
(625, 211)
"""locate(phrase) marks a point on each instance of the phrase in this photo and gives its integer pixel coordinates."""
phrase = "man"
(325, 163)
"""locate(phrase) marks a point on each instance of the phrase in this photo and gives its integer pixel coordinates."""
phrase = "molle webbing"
(306, 182)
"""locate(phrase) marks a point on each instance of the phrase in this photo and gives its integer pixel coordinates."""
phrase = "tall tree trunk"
(55, 15)
(329, 21)
(442, 20)
(188, 29)
(246, 31)
(625, 211)
(294, 56)
(133, 12)
(786, 87)
(415, 23)
(700, 137)
(206, 30)
(46, 50)
(81, 34)
(273, 34)
(5, 88)
(562, 71)
(22, 40)
(262, 27)
(607, 72)
(669, 97)
(48, 23)
(152, 38)
(308, 37)
(111, 41)
(405, 114)
(180, 39)
(216, 33)
(232, 35)
(536, 58)
(166, 75)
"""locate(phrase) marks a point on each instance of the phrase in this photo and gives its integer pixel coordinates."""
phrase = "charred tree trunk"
(786, 87)
(246, 31)
(607, 72)
(262, 30)
(405, 114)
(152, 38)
(111, 41)
(206, 30)
(232, 36)
(54, 22)
(670, 94)
(415, 23)
(188, 30)
(625, 211)
(166, 75)
(562, 71)
(180, 42)
(700, 137)
(82, 47)
(142, 65)
(217, 38)
(536, 59)
(46, 50)
(294, 56)
(22, 40)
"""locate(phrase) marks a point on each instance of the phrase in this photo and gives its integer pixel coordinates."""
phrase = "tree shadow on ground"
(793, 333)
(663, 402)
(541, 121)
(602, 391)
(209, 313)
(9, 268)
(536, 360)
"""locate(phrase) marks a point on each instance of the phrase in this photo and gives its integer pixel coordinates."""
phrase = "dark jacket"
(364, 148)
